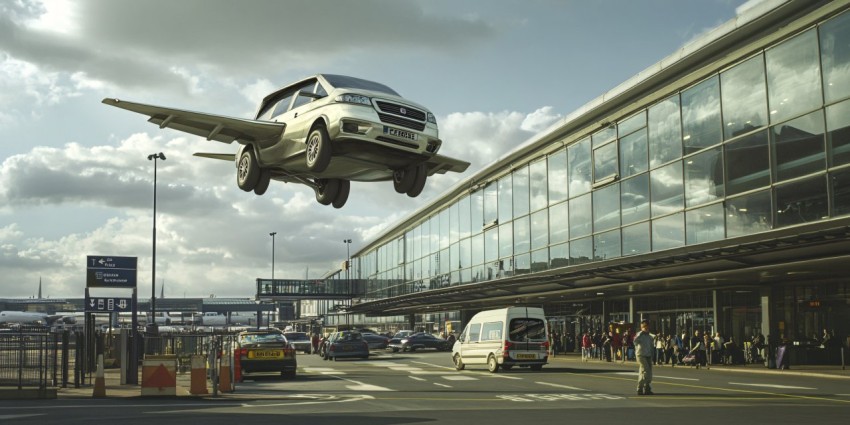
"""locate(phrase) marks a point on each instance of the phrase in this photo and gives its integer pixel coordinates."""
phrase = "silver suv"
(323, 131)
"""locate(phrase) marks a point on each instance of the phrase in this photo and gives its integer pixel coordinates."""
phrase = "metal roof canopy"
(819, 255)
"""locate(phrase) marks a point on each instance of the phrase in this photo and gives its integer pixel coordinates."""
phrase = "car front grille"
(401, 122)
(402, 110)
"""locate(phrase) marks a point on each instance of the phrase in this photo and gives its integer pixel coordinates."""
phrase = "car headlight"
(354, 98)
(432, 119)
(404, 341)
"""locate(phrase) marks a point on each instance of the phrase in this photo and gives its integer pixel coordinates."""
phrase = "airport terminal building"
(711, 191)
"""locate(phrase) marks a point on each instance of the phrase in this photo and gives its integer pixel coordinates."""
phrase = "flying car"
(323, 131)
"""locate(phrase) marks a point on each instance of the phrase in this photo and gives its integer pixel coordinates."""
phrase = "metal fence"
(35, 358)
(184, 346)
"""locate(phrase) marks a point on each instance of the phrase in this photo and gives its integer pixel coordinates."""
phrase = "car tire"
(404, 178)
(318, 150)
(458, 360)
(263, 182)
(327, 190)
(342, 194)
(406, 348)
(537, 367)
(419, 183)
(507, 366)
(247, 170)
(492, 364)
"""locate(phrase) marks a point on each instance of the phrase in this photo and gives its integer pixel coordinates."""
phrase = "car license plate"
(399, 133)
(265, 354)
(526, 356)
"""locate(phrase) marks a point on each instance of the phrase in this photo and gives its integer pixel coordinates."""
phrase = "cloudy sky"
(74, 174)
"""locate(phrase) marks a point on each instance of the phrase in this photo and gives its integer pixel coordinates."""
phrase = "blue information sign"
(110, 271)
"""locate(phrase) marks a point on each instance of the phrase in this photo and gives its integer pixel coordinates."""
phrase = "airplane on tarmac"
(35, 318)
(324, 131)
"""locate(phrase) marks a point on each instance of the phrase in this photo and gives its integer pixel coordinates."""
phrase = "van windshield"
(527, 330)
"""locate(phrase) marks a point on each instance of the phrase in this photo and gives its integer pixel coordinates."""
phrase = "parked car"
(403, 334)
(300, 341)
(375, 341)
(346, 344)
(265, 351)
(418, 341)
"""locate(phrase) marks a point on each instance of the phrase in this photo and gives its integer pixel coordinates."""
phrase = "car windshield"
(527, 330)
(342, 81)
(260, 338)
(297, 336)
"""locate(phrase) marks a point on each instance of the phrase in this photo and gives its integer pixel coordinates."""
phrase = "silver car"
(323, 131)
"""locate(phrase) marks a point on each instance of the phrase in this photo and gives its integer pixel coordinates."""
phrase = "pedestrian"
(643, 342)
(585, 346)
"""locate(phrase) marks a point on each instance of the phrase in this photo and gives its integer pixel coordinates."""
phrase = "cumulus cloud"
(211, 236)
(59, 47)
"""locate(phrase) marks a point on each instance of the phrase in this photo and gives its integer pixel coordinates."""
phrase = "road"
(423, 387)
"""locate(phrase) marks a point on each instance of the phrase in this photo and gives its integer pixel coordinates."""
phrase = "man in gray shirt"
(643, 352)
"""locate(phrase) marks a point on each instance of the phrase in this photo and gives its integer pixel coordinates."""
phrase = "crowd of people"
(698, 349)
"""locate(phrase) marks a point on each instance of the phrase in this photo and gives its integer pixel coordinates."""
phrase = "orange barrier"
(99, 381)
(199, 375)
(225, 384)
(237, 366)
(159, 376)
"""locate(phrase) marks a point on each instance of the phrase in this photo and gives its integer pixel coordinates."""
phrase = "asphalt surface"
(423, 387)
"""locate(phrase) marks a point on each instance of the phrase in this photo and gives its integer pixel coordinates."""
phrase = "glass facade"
(759, 144)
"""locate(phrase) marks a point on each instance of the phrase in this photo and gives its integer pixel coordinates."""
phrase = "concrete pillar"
(716, 320)
(632, 317)
(411, 322)
(766, 312)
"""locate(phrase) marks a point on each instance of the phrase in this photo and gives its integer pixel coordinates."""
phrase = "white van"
(504, 338)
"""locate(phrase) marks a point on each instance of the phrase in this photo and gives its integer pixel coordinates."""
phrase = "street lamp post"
(272, 234)
(347, 243)
(153, 157)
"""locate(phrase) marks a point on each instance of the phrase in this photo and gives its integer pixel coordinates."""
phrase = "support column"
(716, 320)
(632, 317)
(411, 322)
(766, 312)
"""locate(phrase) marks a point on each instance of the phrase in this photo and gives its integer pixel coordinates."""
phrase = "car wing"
(441, 164)
(212, 127)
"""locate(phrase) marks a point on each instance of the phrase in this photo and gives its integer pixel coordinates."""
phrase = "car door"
(304, 110)
(470, 349)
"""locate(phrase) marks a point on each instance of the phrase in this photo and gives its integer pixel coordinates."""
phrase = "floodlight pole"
(152, 326)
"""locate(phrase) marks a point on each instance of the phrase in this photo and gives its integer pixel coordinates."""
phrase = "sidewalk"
(819, 371)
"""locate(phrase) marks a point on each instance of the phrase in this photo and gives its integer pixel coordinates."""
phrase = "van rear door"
(528, 338)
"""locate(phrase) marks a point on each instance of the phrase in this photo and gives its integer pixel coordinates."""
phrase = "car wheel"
(406, 348)
(247, 170)
(263, 182)
(404, 178)
(327, 190)
(419, 183)
(537, 367)
(342, 194)
(492, 365)
(318, 150)
(458, 362)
